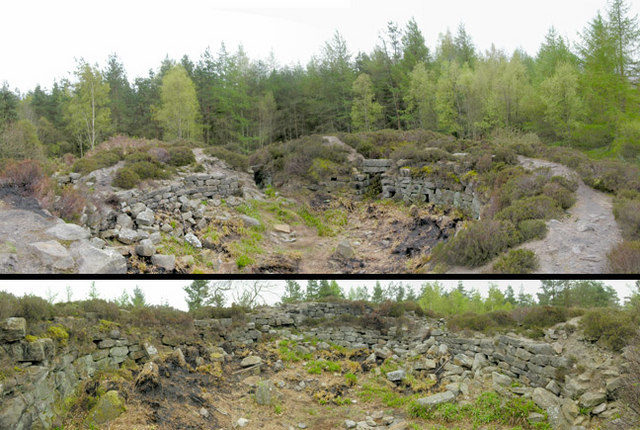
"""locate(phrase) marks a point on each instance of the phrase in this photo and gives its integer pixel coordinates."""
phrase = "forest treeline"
(584, 93)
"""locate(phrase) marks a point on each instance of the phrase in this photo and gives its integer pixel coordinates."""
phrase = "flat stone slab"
(53, 254)
(65, 231)
(436, 399)
(93, 260)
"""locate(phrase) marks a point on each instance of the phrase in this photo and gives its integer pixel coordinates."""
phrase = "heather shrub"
(478, 243)
(624, 258)
(126, 178)
(180, 156)
(563, 197)
(232, 158)
(70, 204)
(626, 209)
(517, 261)
(532, 229)
(611, 328)
(537, 207)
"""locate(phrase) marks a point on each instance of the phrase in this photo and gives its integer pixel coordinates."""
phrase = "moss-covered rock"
(109, 407)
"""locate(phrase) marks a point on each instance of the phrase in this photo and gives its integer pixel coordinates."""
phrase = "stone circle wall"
(50, 372)
(400, 185)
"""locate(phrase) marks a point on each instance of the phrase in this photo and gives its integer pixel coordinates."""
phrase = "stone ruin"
(542, 370)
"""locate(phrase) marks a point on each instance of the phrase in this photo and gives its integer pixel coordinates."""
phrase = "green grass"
(316, 367)
(487, 409)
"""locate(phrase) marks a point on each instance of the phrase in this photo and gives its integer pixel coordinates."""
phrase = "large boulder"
(592, 398)
(345, 250)
(128, 236)
(109, 407)
(251, 360)
(249, 221)
(13, 329)
(145, 248)
(265, 393)
(53, 254)
(64, 231)
(166, 262)
(436, 399)
(101, 261)
(192, 240)
(146, 217)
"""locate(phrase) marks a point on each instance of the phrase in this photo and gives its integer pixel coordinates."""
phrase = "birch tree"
(87, 113)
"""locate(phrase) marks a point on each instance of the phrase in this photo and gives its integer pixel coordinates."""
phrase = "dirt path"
(579, 242)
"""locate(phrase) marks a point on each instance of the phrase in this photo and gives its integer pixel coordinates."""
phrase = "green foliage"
(532, 229)
(609, 327)
(57, 332)
(19, 140)
(478, 243)
(234, 159)
(626, 209)
(627, 142)
(87, 111)
(126, 178)
(179, 112)
(537, 207)
(489, 408)
(180, 156)
(365, 112)
(516, 261)
(316, 367)
(624, 257)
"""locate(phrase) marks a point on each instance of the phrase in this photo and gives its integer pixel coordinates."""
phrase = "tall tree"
(365, 112)
(625, 33)
(119, 94)
(197, 294)
(138, 299)
(88, 114)
(420, 98)
(179, 112)
(292, 292)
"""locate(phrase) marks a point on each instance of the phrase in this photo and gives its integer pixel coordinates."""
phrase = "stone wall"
(196, 186)
(39, 373)
(399, 184)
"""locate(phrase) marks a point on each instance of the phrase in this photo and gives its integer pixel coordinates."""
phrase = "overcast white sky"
(41, 38)
(171, 291)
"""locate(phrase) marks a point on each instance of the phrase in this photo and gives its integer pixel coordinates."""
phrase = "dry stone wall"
(399, 184)
(50, 370)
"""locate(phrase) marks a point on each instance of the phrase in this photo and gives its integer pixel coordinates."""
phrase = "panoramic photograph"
(342, 136)
(319, 354)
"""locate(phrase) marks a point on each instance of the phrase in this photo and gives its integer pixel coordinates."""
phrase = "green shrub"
(627, 213)
(611, 328)
(419, 154)
(181, 156)
(126, 178)
(137, 156)
(149, 170)
(85, 165)
(537, 207)
(589, 136)
(232, 158)
(99, 160)
(322, 170)
(544, 316)
(517, 261)
(624, 258)
(532, 229)
(470, 321)
(627, 142)
(33, 308)
(478, 243)
(562, 196)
